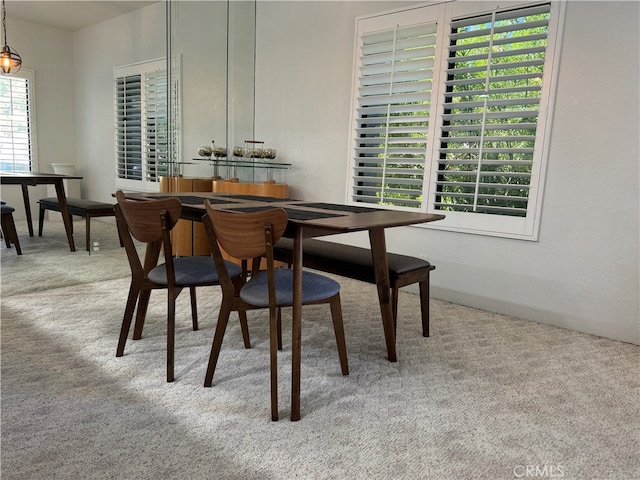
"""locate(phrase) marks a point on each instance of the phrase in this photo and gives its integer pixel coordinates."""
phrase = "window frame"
(148, 182)
(526, 227)
(28, 75)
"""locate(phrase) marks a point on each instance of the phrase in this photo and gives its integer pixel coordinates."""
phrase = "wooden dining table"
(315, 219)
(26, 179)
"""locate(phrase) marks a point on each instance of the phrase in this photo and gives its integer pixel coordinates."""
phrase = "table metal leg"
(381, 268)
(296, 341)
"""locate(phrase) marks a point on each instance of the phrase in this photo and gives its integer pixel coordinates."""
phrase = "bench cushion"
(347, 260)
(80, 203)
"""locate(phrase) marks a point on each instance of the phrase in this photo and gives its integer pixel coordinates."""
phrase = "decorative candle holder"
(270, 154)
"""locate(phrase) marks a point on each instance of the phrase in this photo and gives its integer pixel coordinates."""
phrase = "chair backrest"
(144, 218)
(149, 222)
(242, 235)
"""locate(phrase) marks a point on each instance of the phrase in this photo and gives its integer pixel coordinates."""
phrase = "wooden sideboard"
(190, 238)
(261, 189)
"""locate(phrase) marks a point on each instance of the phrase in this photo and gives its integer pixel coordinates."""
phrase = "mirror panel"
(241, 72)
(214, 43)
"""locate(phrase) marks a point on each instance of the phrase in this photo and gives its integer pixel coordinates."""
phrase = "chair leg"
(338, 327)
(279, 328)
(273, 360)
(223, 319)
(171, 332)
(194, 308)
(244, 326)
(143, 304)
(424, 306)
(17, 244)
(134, 291)
(394, 306)
(10, 232)
(5, 230)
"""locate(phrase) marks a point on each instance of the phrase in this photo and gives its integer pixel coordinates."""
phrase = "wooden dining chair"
(151, 222)
(250, 236)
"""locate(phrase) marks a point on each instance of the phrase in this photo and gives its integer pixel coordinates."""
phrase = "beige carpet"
(485, 397)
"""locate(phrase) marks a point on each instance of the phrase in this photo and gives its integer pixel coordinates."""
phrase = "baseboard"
(630, 334)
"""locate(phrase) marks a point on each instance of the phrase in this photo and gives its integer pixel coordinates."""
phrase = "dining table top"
(334, 217)
(17, 178)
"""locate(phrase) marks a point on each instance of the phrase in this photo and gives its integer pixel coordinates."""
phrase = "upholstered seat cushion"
(80, 203)
(314, 288)
(7, 209)
(346, 260)
(192, 270)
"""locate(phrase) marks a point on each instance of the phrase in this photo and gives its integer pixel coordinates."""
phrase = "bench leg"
(424, 305)
(87, 238)
(88, 232)
(40, 221)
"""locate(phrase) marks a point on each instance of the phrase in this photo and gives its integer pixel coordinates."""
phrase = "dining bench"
(356, 262)
(79, 207)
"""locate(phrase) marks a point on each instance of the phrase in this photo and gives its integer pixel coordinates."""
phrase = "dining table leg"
(296, 347)
(66, 218)
(383, 282)
(27, 208)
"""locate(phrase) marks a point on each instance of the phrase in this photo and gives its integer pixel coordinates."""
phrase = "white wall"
(49, 53)
(136, 37)
(583, 272)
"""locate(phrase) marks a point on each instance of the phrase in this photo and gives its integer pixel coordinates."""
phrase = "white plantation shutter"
(155, 131)
(451, 113)
(141, 125)
(128, 127)
(16, 126)
(491, 110)
(394, 97)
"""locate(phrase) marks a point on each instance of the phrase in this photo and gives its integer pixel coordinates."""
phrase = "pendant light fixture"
(10, 61)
